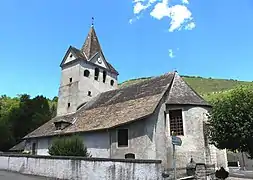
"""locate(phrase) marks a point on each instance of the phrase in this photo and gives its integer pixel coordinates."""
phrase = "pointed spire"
(91, 45)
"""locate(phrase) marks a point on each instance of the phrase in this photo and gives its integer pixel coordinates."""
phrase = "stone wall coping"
(144, 161)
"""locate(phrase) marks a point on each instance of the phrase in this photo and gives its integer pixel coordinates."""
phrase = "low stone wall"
(82, 168)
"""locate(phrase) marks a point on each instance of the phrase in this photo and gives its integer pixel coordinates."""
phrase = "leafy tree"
(231, 121)
(68, 146)
(21, 115)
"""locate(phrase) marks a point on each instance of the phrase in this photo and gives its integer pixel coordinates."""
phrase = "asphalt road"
(235, 172)
(4, 175)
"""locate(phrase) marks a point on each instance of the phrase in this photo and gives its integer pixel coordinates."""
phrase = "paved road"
(235, 172)
(4, 175)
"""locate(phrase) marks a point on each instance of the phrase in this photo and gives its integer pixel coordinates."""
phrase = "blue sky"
(140, 38)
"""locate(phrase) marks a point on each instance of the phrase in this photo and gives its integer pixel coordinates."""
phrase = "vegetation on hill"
(208, 88)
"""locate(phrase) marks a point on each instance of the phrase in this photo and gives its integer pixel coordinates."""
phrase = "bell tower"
(85, 73)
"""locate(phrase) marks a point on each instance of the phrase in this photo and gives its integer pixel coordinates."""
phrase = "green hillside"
(206, 87)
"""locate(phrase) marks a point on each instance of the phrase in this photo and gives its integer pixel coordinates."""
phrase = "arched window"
(104, 76)
(96, 73)
(130, 156)
(112, 82)
(86, 73)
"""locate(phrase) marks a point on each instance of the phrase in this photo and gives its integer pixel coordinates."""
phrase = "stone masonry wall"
(82, 168)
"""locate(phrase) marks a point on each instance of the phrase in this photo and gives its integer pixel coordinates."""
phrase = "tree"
(68, 146)
(231, 121)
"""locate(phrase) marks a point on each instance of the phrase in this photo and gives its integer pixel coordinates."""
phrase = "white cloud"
(185, 1)
(180, 16)
(190, 26)
(139, 7)
(171, 54)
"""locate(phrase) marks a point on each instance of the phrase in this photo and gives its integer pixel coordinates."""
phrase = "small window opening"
(96, 73)
(176, 122)
(33, 148)
(70, 80)
(112, 82)
(86, 73)
(58, 126)
(130, 156)
(68, 105)
(104, 76)
(123, 138)
(89, 93)
(71, 55)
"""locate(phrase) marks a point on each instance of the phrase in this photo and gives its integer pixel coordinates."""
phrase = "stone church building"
(126, 122)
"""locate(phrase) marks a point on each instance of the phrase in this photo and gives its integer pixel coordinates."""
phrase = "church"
(135, 121)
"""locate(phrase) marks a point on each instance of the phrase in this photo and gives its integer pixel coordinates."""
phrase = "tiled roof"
(90, 47)
(182, 93)
(117, 107)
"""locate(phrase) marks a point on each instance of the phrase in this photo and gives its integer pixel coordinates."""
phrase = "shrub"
(68, 146)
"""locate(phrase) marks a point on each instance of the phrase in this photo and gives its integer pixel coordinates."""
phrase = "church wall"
(193, 140)
(90, 84)
(221, 156)
(141, 140)
(76, 92)
(68, 91)
(97, 143)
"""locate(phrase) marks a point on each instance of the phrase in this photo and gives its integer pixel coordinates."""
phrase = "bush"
(68, 146)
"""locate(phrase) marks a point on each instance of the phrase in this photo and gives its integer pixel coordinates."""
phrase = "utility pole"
(176, 141)
(174, 162)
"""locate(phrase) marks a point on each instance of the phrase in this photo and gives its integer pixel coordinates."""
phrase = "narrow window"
(176, 122)
(58, 126)
(122, 137)
(130, 156)
(104, 76)
(70, 80)
(68, 105)
(112, 82)
(86, 73)
(165, 121)
(89, 93)
(96, 73)
(33, 148)
(70, 55)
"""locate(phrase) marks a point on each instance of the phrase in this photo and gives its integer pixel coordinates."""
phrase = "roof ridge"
(147, 79)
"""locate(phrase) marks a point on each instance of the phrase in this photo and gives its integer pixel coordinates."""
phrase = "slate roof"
(182, 93)
(19, 147)
(125, 105)
(90, 47)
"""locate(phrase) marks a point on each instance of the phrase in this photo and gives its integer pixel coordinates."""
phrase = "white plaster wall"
(68, 59)
(43, 145)
(193, 139)
(82, 169)
(97, 143)
(95, 60)
(221, 156)
(76, 93)
(141, 140)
